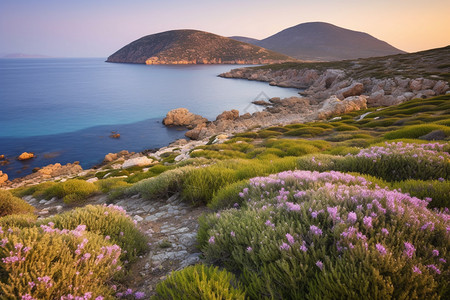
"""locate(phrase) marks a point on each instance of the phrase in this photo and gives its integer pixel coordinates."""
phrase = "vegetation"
(200, 282)
(10, 205)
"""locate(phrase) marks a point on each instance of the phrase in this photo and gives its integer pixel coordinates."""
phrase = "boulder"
(440, 87)
(3, 177)
(228, 115)
(334, 106)
(183, 117)
(110, 157)
(25, 156)
(416, 84)
(355, 89)
(137, 161)
(2, 157)
(57, 169)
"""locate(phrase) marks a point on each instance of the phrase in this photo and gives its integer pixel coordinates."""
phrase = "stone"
(25, 156)
(110, 157)
(114, 135)
(261, 102)
(440, 87)
(355, 89)
(416, 84)
(3, 177)
(92, 180)
(138, 218)
(138, 161)
(333, 106)
(179, 142)
(183, 117)
(228, 115)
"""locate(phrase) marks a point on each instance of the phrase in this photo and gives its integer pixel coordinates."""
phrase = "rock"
(434, 135)
(261, 102)
(114, 135)
(3, 177)
(57, 169)
(25, 156)
(416, 84)
(182, 117)
(182, 157)
(110, 157)
(440, 87)
(355, 89)
(2, 157)
(138, 218)
(138, 161)
(92, 180)
(222, 137)
(333, 106)
(180, 142)
(228, 115)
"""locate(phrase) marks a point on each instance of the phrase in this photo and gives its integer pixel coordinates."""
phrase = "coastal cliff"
(193, 47)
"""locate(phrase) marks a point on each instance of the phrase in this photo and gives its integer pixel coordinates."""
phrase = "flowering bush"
(10, 204)
(200, 282)
(71, 191)
(301, 234)
(48, 263)
(400, 161)
(111, 222)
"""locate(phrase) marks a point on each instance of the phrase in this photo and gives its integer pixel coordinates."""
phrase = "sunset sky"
(97, 28)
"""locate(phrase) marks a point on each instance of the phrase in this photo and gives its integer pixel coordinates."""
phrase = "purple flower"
(128, 292)
(315, 230)
(212, 240)
(333, 212)
(249, 249)
(27, 297)
(293, 207)
(268, 223)
(384, 231)
(381, 249)
(409, 249)
(367, 221)
(416, 270)
(290, 238)
(435, 252)
(434, 268)
(351, 217)
(442, 260)
(303, 247)
(100, 298)
(139, 295)
(285, 246)
(319, 264)
(232, 234)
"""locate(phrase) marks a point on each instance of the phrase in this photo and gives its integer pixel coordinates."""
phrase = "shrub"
(296, 147)
(437, 191)
(22, 221)
(200, 185)
(229, 196)
(200, 282)
(47, 263)
(381, 123)
(110, 184)
(343, 150)
(345, 127)
(268, 133)
(10, 204)
(310, 235)
(164, 185)
(305, 131)
(71, 191)
(400, 161)
(416, 131)
(109, 221)
(445, 122)
(37, 191)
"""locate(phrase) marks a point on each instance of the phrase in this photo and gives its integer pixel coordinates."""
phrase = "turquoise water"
(64, 109)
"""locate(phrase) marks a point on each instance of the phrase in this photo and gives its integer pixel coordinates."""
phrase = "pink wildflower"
(409, 249)
(416, 270)
(285, 246)
(212, 240)
(319, 264)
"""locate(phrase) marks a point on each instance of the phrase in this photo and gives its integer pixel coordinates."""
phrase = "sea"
(65, 109)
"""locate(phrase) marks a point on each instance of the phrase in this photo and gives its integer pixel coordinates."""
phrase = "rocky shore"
(322, 84)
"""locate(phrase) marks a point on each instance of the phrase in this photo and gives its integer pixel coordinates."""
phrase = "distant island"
(24, 55)
(193, 47)
(320, 41)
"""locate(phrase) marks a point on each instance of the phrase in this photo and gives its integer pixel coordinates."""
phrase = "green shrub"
(229, 196)
(345, 127)
(37, 191)
(164, 185)
(295, 147)
(22, 221)
(268, 133)
(305, 131)
(445, 122)
(109, 221)
(304, 235)
(10, 204)
(318, 162)
(343, 150)
(436, 190)
(46, 263)
(200, 282)
(381, 123)
(200, 185)
(71, 191)
(222, 154)
(109, 184)
(252, 135)
(416, 131)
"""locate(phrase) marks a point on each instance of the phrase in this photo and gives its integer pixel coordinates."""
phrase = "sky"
(98, 28)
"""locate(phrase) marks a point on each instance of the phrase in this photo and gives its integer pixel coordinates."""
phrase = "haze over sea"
(64, 110)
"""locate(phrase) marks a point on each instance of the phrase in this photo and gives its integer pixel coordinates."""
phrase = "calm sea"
(63, 110)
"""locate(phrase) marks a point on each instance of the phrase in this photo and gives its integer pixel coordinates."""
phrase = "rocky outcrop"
(228, 115)
(183, 117)
(320, 85)
(114, 156)
(334, 106)
(25, 156)
(3, 177)
(142, 161)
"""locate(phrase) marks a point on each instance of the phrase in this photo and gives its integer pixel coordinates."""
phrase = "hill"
(326, 42)
(193, 47)
(244, 39)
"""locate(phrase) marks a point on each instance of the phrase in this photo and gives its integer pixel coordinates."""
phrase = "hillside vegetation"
(349, 207)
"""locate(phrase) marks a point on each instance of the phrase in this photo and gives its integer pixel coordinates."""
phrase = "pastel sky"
(97, 28)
